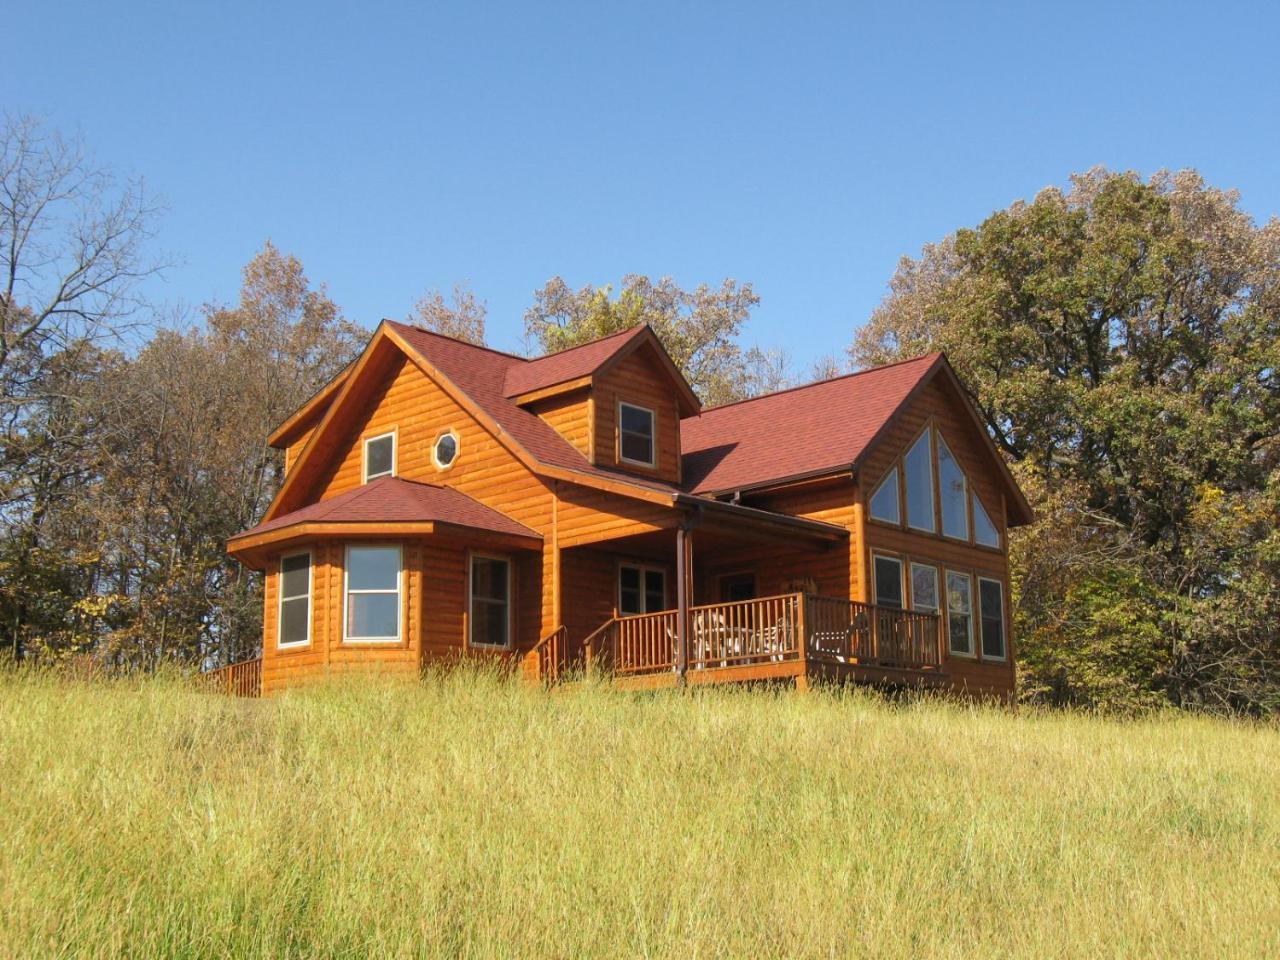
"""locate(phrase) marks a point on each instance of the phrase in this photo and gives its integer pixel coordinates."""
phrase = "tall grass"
(472, 816)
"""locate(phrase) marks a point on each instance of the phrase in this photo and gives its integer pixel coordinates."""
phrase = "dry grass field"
(471, 816)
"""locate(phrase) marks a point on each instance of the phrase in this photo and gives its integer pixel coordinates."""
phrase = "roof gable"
(805, 431)
(819, 429)
(574, 367)
(475, 378)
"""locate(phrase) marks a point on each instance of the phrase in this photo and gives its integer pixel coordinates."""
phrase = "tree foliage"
(699, 328)
(160, 457)
(1122, 341)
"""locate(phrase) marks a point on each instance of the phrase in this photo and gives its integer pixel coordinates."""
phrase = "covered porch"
(732, 595)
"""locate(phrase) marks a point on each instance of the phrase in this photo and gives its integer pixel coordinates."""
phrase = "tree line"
(1119, 337)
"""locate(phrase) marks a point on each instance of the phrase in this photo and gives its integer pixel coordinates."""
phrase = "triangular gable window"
(884, 502)
(984, 531)
(953, 490)
(917, 465)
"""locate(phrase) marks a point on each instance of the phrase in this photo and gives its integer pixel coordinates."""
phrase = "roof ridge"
(465, 343)
(590, 343)
(819, 383)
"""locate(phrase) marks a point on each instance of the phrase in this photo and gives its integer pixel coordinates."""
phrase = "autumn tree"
(462, 317)
(1122, 340)
(699, 327)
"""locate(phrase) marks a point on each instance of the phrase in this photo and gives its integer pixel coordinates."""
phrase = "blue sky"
(804, 147)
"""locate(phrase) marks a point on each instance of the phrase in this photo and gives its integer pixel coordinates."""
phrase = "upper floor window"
(380, 456)
(884, 502)
(295, 601)
(372, 594)
(930, 496)
(490, 601)
(917, 466)
(635, 435)
(984, 531)
(953, 493)
(445, 450)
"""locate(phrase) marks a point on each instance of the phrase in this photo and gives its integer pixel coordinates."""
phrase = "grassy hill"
(470, 816)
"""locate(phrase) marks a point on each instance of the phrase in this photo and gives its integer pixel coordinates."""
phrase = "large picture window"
(641, 589)
(884, 502)
(991, 611)
(490, 601)
(953, 493)
(295, 601)
(960, 613)
(372, 595)
(635, 434)
(888, 575)
(917, 466)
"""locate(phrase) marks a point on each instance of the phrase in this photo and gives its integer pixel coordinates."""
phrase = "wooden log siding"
(939, 406)
(637, 379)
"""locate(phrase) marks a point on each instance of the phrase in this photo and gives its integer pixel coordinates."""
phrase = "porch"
(796, 636)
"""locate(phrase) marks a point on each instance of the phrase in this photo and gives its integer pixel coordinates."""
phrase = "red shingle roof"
(395, 500)
(822, 426)
(481, 374)
(566, 365)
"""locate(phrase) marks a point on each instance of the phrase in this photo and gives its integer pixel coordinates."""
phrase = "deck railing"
(771, 629)
(846, 631)
(548, 660)
(243, 679)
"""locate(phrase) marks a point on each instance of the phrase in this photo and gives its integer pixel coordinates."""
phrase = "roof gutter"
(737, 492)
(699, 505)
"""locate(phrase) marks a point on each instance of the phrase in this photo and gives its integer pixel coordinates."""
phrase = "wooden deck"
(243, 679)
(788, 637)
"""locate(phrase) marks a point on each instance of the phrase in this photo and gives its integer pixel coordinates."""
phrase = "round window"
(445, 450)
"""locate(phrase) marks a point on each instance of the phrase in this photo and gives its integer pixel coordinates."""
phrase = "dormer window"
(380, 456)
(635, 435)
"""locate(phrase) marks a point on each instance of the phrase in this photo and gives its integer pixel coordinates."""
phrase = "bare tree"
(72, 247)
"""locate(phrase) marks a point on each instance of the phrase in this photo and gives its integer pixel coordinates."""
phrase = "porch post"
(683, 553)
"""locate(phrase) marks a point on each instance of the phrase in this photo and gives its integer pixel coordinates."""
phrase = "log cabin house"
(444, 499)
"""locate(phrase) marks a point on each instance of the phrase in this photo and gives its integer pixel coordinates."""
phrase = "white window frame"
(973, 650)
(471, 599)
(934, 519)
(875, 579)
(346, 595)
(1004, 624)
(457, 449)
(644, 568)
(937, 587)
(653, 435)
(893, 474)
(940, 444)
(281, 598)
(395, 444)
